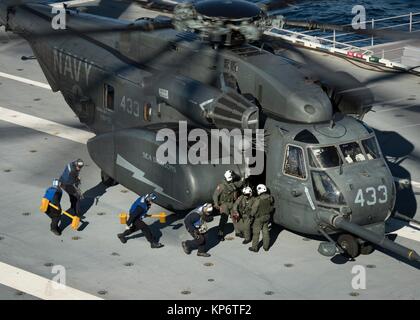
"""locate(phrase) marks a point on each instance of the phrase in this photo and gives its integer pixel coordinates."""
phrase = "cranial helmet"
(229, 175)
(80, 163)
(207, 208)
(150, 197)
(261, 189)
(55, 183)
(247, 191)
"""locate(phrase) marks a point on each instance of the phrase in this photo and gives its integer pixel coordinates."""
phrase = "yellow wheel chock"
(161, 216)
(75, 221)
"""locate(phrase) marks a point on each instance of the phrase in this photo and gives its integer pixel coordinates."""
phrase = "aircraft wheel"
(349, 245)
(366, 248)
(107, 180)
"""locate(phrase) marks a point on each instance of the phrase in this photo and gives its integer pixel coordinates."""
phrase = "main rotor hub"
(227, 22)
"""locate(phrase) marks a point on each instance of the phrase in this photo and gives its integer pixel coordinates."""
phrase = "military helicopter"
(208, 66)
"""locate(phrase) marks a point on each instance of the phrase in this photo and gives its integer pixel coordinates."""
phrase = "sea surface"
(340, 11)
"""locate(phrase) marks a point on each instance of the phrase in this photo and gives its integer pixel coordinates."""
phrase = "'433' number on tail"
(371, 196)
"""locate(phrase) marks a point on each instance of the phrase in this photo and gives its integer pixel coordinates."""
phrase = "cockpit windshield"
(371, 148)
(324, 157)
(352, 152)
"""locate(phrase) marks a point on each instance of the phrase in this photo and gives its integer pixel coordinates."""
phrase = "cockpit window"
(294, 163)
(352, 152)
(324, 157)
(371, 148)
(325, 189)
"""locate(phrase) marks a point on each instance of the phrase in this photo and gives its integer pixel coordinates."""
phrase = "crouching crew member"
(135, 222)
(195, 223)
(242, 212)
(261, 211)
(224, 197)
(70, 182)
(54, 194)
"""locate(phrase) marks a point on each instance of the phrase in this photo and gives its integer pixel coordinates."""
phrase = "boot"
(266, 249)
(239, 234)
(156, 245)
(252, 249)
(122, 237)
(203, 254)
(186, 249)
(246, 241)
(56, 232)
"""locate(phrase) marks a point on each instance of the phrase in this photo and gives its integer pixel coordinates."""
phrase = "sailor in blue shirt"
(195, 223)
(135, 222)
(70, 182)
(54, 194)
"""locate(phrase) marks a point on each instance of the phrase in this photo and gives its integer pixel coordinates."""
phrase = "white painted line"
(24, 80)
(46, 126)
(38, 286)
(408, 232)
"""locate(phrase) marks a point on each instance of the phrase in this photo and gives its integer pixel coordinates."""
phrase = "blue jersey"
(69, 175)
(138, 210)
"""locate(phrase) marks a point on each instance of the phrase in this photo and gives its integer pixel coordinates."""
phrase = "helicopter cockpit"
(336, 166)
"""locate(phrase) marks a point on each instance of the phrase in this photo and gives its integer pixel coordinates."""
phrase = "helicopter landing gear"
(349, 244)
(366, 248)
(107, 180)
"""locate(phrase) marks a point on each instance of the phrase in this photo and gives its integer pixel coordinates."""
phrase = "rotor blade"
(324, 70)
(276, 4)
(128, 63)
(141, 25)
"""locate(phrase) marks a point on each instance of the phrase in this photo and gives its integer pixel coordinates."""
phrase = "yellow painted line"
(38, 286)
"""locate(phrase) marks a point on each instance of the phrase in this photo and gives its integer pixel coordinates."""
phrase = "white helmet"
(247, 191)
(207, 208)
(229, 175)
(55, 183)
(261, 189)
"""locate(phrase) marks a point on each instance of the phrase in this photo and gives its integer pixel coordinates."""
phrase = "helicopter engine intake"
(207, 105)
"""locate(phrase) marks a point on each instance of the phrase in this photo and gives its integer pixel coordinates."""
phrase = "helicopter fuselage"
(106, 79)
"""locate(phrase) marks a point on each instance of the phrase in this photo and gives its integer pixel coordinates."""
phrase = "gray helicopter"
(207, 66)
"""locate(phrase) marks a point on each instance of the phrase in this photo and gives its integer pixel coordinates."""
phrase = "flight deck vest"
(265, 206)
(228, 193)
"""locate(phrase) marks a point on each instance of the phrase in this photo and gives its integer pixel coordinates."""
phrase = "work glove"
(196, 234)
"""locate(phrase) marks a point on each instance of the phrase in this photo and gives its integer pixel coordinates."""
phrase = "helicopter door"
(294, 192)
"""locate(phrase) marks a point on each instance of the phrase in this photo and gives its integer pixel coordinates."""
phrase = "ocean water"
(340, 11)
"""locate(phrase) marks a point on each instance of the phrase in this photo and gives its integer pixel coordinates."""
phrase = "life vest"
(265, 205)
(140, 202)
(66, 178)
(228, 193)
(49, 197)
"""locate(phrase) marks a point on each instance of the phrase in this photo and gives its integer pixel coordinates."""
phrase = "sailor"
(224, 197)
(261, 212)
(138, 212)
(195, 223)
(54, 194)
(241, 212)
(70, 182)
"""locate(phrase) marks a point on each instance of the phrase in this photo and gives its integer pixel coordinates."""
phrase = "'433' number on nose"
(371, 196)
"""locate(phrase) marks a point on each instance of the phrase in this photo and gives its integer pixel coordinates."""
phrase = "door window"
(109, 97)
(294, 162)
